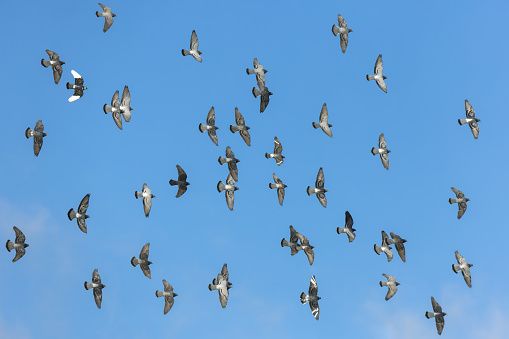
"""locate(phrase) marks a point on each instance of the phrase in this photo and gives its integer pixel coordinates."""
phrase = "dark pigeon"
(181, 182)
(78, 86)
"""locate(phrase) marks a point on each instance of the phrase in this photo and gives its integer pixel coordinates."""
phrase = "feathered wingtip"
(45, 63)
(134, 261)
(28, 132)
(221, 160)
(88, 285)
(303, 298)
(310, 190)
(202, 127)
(315, 125)
(374, 151)
(9, 245)
(159, 294)
(378, 249)
(429, 315)
(220, 186)
(456, 268)
(256, 92)
(71, 214)
(107, 109)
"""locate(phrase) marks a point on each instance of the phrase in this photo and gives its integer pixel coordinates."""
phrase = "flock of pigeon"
(121, 108)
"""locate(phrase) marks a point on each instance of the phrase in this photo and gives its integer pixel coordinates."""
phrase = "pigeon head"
(102, 286)
(236, 188)
(318, 298)
(470, 265)
(149, 262)
(152, 196)
(467, 199)
(62, 63)
(87, 216)
(325, 190)
(285, 186)
(26, 245)
(388, 151)
(175, 294)
(397, 283)
(383, 76)
(247, 127)
(131, 109)
(85, 87)
(350, 30)
(187, 183)
(44, 134)
(330, 125)
(215, 127)
(237, 160)
(477, 120)
(113, 14)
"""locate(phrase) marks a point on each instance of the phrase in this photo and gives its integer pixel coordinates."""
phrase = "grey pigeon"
(382, 150)
(143, 261)
(222, 285)
(378, 77)
(193, 49)
(241, 127)
(319, 188)
(258, 70)
(181, 182)
(229, 190)
(38, 134)
(471, 120)
(296, 247)
(81, 214)
(385, 247)
(232, 163)
(78, 86)
(114, 109)
(280, 188)
(348, 229)
(278, 149)
(97, 287)
(168, 295)
(399, 243)
(210, 126)
(438, 314)
(125, 104)
(464, 267)
(391, 284)
(108, 16)
(55, 63)
(324, 124)
(343, 31)
(461, 200)
(18, 244)
(312, 298)
(147, 196)
(264, 95)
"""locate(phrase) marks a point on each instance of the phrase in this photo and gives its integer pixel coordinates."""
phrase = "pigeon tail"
(138, 194)
(456, 268)
(452, 201)
(134, 261)
(220, 186)
(99, 14)
(378, 249)
(233, 129)
(462, 121)
(267, 155)
(250, 71)
(315, 125)
(88, 285)
(370, 77)
(212, 287)
(304, 298)
(185, 52)
(9, 245)
(340, 230)
(45, 63)
(374, 151)
(107, 109)
(69, 85)
(221, 160)
(383, 283)
(159, 294)
(271, 185)
(310, 190)
(28, 132)
(284, 243)
(256, 92)
(202, 128)
(71, 214)
(173, 182)
(429, 315)
(335, 30)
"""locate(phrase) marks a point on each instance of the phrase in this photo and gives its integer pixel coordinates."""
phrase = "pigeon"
(210, 127)
(147, 198)
(391, 284)
(18, 244)
(461, 200)
(348, 227)
(278, 149)
(229, 190)
(280, 188)
(319, 189)
(259, 71)
(193, 49)
(125, 104)
(464, 267)
(97, 287)
(324, 117)
(471, 120)
(108, 17)
(382, 150)
(399, 243)
(168, 295)
(55, 63)
(81, 215)
(222, 285)
(38, 134)
(78, 86)
(296, 247)
(378, 77)
(312, 298)
(232, 163)
(241, 127)
(343, 31)
(438, 314)
(143, 261)
(264, 93)
(385, 247)
(181, 182)
(114, 109)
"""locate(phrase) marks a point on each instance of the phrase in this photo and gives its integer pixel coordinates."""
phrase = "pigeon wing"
(385, 160)
(82, 208)
(458, 193)
(348, 220)
(230, 198)
(229, 153)
(213, 136)
(98, 296)
(20, 252)
(167, 286)
(126, 97)
(224, 272)
(467, 276)
(82, 224)
(117, 118)
(462, 207)
(223, 295)
(391, 292)
(230, 180)
(145, 251)
(320, 179)
(147, 205)
(211, 117)
(96, 278)
(322, 198)
(324, 114)
(108, 21)
(194, 42)
(245, 136)
(381, 141)
(57, 72)
(278, 147)
(281, 195)
(239, 119)
(400, 247)
(379, 66)
(52, 55)
(436, 306)
(343, 41)
(20, 237)
(469, 110)
(146, 270)
(168, 303)
(182, 176)
(474, 127)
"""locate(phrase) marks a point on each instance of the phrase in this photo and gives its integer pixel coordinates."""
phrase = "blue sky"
(435, 56)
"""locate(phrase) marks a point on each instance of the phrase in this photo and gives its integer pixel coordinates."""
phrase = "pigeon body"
(343, 31)
(78, 86)
(143, 261)
(108, 17)
(296, 247)
(348, 229)
(168, 295)
(222, 285)
(125, 104)
(471, 120)
(460, 200)
(391, 284)
(81, 214)
(181, 182)
(210, 126)
(378, 77)
(241, 127)
(464, 267)
(259, 71)
(38, 134)
(382, 150)
(97, 287)
(147, 196)
(319, 188)
(324, 121)
(193, 49)
(114, 109)
(280, 188)
(18, 245)
(312, 297)
(437, 314)
(278, 149)
(229, 190)
(399, 243)
(55, 63)
(385, 247)
(231, 161)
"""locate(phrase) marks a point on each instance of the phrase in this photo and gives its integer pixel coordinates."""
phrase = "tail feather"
(303, 298)
(233, 129)
(271, 185)
(383, 283)
(455, 268)
(220, 186)
(256, 92)
(71, 214)
(69, 85)
(138, 194)
(284, 242)
(107, 109)
(452, 201)
(378, 249)
(45, 63)
(462, 121)
(173, 182)
(267, 155)
(185, 52)
(429, 315)
(250, 71)
(159, 294)
(315, 125)
(335, 30)
(99, 14)
(370, 77)
(202, 128)
(88, 285)
(9, 245)
(28, 132)
(310, 190)
(212, 287)
(221, 160)
(134, 261)
(374, 151)
(340, 230)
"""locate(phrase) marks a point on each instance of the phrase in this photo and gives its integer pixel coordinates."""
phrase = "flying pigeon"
(343, 31)
(222, 285)
(210, 127)
(125, 104)
(241, 127)
(471, 119)
(296, 247)
(193, 49)
(55, 64)
(181, 182)
(280, 188)
(81, 215)
(114, 109)
(348, 227)
(312, 298)
(229, 190)
(378, 77)
(143, 261)
(385, 247)
(18, 244)
(147, 198)
(232, 163)
(108, 17)
(258, 70)
(461, 200)
(97, 287)
(78, 86)
(278, 149)
(319, 190)
(382, 150)
(438, 314)
(264, 93)
(399, 243)
(464, 267)
(391, 284)
(168, 295)
(38, 134)
(324, 124)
